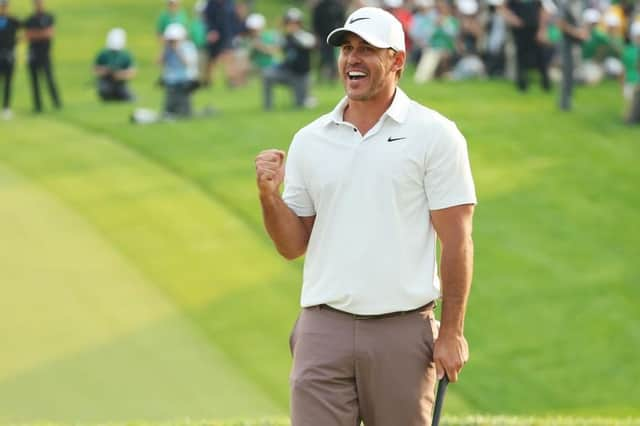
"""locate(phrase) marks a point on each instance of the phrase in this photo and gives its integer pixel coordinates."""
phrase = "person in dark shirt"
(527, 21)
(39, 31)
(295, 68)
(327, 15)
(221, 22)
(8, 37)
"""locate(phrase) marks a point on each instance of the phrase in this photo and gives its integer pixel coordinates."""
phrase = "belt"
(429, 305)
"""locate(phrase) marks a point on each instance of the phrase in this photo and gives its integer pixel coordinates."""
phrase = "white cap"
(495, 2)
(591, 16)
(612, 20)
(393, 4)
(255, 21)
(175, 31)
(376, 26)
(467, 7)
(634, 30)
(116, 39)
(293, 14)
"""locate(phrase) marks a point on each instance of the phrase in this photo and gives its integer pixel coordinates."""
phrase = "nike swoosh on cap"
(357, 19)
(395, 139)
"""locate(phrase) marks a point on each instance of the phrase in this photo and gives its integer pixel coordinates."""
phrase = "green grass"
(137, 282)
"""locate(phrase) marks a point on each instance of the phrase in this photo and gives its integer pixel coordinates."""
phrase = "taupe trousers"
(376, 370)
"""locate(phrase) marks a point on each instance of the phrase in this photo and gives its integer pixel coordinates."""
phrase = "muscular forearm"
(456, 269)
(286, 229)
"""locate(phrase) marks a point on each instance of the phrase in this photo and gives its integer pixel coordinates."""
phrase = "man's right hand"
(270, 171)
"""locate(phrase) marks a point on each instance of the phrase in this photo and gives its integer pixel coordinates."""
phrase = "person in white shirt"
(368, 189)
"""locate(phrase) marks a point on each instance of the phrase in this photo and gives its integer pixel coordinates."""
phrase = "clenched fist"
(270, 171)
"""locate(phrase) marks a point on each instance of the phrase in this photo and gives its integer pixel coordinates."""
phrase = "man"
(327, 15)
(294, 70)
(8, 37)
(219, 17)
(179, 71)
(114, 67)
(367, 189)
(527, 19)
(263, 45)
(40, 31)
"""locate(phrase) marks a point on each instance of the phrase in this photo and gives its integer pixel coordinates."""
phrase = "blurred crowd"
(226, 40)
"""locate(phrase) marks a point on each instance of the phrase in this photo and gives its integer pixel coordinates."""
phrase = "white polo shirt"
(373, 247)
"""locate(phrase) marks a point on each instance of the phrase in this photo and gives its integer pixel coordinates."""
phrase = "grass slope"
(553, 323)
(93, 335)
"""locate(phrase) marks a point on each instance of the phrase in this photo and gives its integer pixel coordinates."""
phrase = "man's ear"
(398, 60)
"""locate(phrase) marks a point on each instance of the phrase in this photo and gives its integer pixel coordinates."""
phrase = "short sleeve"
(101, 59)
(296, 193)
(161, 24)
(448, 181)
(127, 61)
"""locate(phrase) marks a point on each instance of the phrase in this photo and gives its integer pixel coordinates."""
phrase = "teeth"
(356, 74)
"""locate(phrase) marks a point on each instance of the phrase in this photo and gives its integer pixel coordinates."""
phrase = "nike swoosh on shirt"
(394, 139)
(357, 19)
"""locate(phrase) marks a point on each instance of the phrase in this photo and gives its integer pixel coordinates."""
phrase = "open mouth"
(356, 75)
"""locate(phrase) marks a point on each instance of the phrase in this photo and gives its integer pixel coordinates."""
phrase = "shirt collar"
(398, 109)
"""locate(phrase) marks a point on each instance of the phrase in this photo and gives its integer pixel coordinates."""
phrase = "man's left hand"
(450, 353)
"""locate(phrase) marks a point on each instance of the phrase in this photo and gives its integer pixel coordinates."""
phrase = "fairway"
(137, 282)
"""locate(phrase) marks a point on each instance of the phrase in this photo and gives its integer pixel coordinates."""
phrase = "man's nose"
(353, 57)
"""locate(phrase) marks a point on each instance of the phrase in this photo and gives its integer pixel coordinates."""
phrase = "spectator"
(239, 65)
(436, 61)
(469, 64)
(495, 41)
(422, 28)
(612, 65)
(114, 67)
(9, 26)
(594, 44)
(572, 34)
(198, 35)
(40, 30)
(527, 20)
(327, 15)
(631, 60)
(294, 70)
(179, 71)
(220, 22)
(263, 45)
(174, 13)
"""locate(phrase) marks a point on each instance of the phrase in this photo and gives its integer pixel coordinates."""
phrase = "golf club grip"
(437, 409)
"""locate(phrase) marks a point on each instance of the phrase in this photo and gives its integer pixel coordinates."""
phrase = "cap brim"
(336, 38)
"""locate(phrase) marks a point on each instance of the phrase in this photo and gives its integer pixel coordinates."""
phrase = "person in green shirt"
(436, 58)
(631, 61)
(198, 35)
(593, 44)
(174, 13)
(114, 67)
(263, 45)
